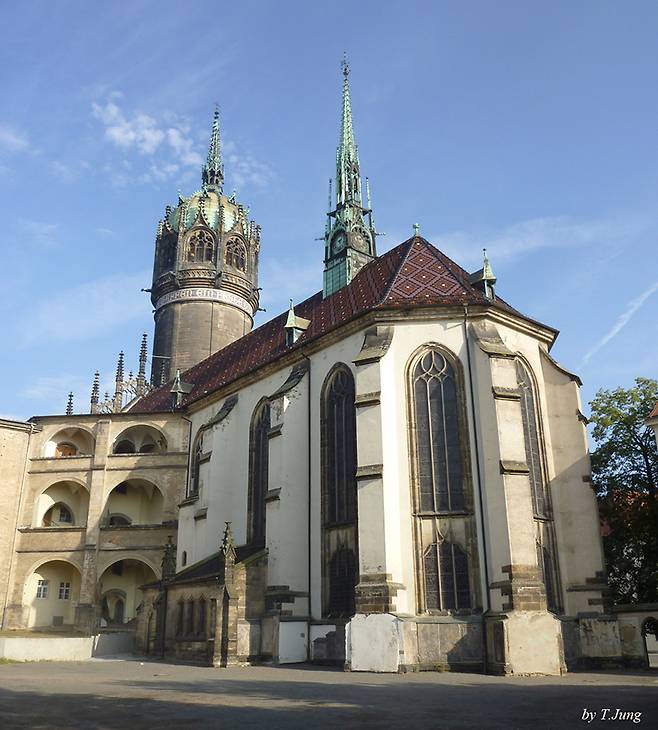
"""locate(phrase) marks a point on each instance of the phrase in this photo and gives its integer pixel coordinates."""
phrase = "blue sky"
(528, 128)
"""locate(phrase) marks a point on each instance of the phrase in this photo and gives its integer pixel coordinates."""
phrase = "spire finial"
(119, 375)
(213, 170)
(95, 392)
(141, 373)
(69, 405)
(345, 65)
(416, 229)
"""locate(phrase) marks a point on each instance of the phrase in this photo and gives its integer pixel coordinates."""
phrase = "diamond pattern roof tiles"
(413, 274)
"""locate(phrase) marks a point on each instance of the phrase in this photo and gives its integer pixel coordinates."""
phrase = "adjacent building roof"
(411, 275)
(654, 412)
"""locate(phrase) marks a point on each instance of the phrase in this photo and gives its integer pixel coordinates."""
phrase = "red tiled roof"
(413, 274)
(654, 412)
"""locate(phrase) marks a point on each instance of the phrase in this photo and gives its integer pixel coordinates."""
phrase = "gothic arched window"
(236, 254)
(340, 434)
(195, 466)
(438, 435)
(201, 247)
(531, 440)
(258, 472)
(339, 495)
(447, 585)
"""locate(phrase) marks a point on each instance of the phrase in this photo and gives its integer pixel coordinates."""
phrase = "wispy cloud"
(621, 321)
(532, 235)
(149, 137)
(172, 150)
(246, 170)
(39, 232)
(86, 311)
(11, 140)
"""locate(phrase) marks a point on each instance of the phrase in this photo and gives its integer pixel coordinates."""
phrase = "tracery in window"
(447, 584)
(258, 472)
(340, 434)
(439, 455)
(339, 495)
(236, 254)
(200, 247)
(531, 440)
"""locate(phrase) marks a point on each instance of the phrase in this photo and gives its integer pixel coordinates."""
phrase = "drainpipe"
(483, 531)
(308, 517)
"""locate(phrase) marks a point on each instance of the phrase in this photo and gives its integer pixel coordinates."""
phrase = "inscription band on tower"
(205, 294)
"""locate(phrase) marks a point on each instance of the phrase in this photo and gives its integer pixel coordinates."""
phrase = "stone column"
(87, 612)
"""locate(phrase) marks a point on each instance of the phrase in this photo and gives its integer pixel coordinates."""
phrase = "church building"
(392, 475)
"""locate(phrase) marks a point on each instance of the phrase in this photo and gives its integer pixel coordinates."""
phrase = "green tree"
(625, 475)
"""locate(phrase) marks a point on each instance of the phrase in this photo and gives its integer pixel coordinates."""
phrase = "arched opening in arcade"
(51, 594)
(120, 590)
(133, 502)
(63, 504)
(69, 442)
(140, 440)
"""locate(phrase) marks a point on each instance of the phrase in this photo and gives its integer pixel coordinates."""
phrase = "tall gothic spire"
(350, 232)
(213, 170)
(348, 179)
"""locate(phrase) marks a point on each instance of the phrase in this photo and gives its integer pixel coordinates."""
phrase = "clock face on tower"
(338, 242)
(360, 238)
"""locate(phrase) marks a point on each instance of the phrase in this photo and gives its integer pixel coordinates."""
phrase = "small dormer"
(484, 279)
(295, 326)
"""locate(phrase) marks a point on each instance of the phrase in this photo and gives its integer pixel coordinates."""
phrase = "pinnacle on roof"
(95, 393)
(69, 405)
(213, 171)
(295, 326)
(484, 279)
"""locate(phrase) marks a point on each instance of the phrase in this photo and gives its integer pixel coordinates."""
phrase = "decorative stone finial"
(95, 393)
(69, 405)
(169, 560)
(228, 543)
(416, 229)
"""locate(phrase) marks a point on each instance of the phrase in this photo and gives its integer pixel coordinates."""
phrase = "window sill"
(445, 513)
(189, 500)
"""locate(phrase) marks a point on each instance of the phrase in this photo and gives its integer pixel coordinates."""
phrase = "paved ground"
(109, 694)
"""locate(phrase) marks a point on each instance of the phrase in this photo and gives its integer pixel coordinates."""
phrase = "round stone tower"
(205, 273)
